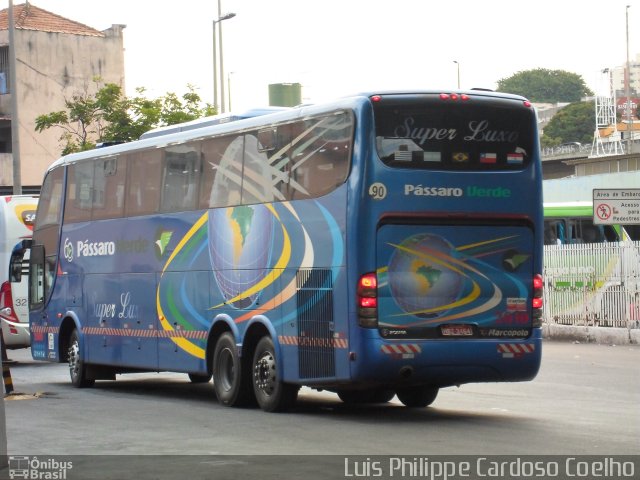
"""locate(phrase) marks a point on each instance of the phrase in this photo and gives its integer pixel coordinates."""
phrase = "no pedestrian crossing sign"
(616, 206)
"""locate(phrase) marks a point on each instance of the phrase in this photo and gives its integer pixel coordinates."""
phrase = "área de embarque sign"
(616, 206)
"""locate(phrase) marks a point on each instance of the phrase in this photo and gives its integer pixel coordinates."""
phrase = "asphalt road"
(584, 402)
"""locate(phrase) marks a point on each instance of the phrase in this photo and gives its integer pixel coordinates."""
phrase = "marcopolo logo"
(68, 250)
(470, 191)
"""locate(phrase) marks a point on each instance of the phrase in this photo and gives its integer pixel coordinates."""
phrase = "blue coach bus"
(382, 244)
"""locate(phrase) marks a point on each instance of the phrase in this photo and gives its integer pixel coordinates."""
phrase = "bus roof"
(199, 129)
(212, 120)
(568, 209)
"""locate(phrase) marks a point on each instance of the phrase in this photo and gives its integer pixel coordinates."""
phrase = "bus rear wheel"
(231, 386)
(77, 367)
(417, 397)
(272, 394)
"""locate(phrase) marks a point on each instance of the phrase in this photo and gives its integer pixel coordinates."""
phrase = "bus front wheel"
(229, 383)
(272, 394)
(417, 397)
(77, 367)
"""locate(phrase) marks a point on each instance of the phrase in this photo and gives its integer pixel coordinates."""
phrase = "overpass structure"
(575, 160)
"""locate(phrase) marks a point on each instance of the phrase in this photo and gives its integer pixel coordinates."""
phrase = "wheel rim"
(226, 369)
(74, 360)
(264, 373)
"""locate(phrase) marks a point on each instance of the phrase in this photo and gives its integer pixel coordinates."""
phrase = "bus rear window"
(478, 133)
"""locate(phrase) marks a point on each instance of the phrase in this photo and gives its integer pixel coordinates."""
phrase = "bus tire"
(232, 387)
(272, 394)
(77, 367)
(417, 397)
(380, 395)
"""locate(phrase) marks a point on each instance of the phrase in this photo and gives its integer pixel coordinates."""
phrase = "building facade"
(56, 58)
(617, 79)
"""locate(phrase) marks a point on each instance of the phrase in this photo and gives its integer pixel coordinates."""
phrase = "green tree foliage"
(574, 123)
(110, 116)
(546, 86)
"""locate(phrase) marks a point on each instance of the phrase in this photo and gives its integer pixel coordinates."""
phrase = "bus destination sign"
(616, 206)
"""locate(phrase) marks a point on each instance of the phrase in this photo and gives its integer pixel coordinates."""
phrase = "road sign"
(616, 206)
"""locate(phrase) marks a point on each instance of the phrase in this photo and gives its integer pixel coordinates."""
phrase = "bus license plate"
(457, 330)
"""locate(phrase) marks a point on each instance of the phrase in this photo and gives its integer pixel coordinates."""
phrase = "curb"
(599, 335)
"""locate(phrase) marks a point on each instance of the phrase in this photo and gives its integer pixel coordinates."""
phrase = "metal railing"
(592, 284)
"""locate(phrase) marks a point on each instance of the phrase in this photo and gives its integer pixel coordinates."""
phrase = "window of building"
(4, 71)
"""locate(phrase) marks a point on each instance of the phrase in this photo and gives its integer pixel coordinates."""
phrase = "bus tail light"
(455, 96)
(6, 303)
(368, 300)
(538, 284)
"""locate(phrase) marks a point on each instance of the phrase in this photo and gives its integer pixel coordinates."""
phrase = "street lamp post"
(458, 65)
(215, 61)
(627, 90)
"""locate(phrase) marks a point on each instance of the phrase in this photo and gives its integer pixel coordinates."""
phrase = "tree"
(574, 123)
(546, 86)
(109, 116)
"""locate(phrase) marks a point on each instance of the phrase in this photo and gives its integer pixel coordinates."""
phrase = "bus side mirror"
(15, 263)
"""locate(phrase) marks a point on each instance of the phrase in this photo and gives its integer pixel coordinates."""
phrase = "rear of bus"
(449, 291)
(17, 215)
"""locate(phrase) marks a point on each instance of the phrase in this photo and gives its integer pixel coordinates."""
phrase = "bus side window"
(588, 232)
(257, 185)
(79, 195)
(610, 234)
(109, 181)
(554, 232)
(180, 178)
(143, 191)
(550, 233)
(221, 177)
(321, 154)
(592, 234)
(50, 205)
(562, 232)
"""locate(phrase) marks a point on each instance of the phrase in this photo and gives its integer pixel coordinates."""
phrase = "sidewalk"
(601, 335)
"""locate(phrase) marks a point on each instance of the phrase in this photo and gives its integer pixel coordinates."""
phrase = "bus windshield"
(451, 132)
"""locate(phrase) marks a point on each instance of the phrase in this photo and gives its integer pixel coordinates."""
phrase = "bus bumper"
(14, 334)
(441, 363)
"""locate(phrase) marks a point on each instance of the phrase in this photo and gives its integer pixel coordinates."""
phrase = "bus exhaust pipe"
(406, 373)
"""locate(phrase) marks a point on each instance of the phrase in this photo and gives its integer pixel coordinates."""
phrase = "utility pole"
(627, 91)
(15, 124)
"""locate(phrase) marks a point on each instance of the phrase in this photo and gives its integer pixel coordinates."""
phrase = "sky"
(339, 47)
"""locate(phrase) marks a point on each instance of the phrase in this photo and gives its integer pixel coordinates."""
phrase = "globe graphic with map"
(422, 277)
(240, 249)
